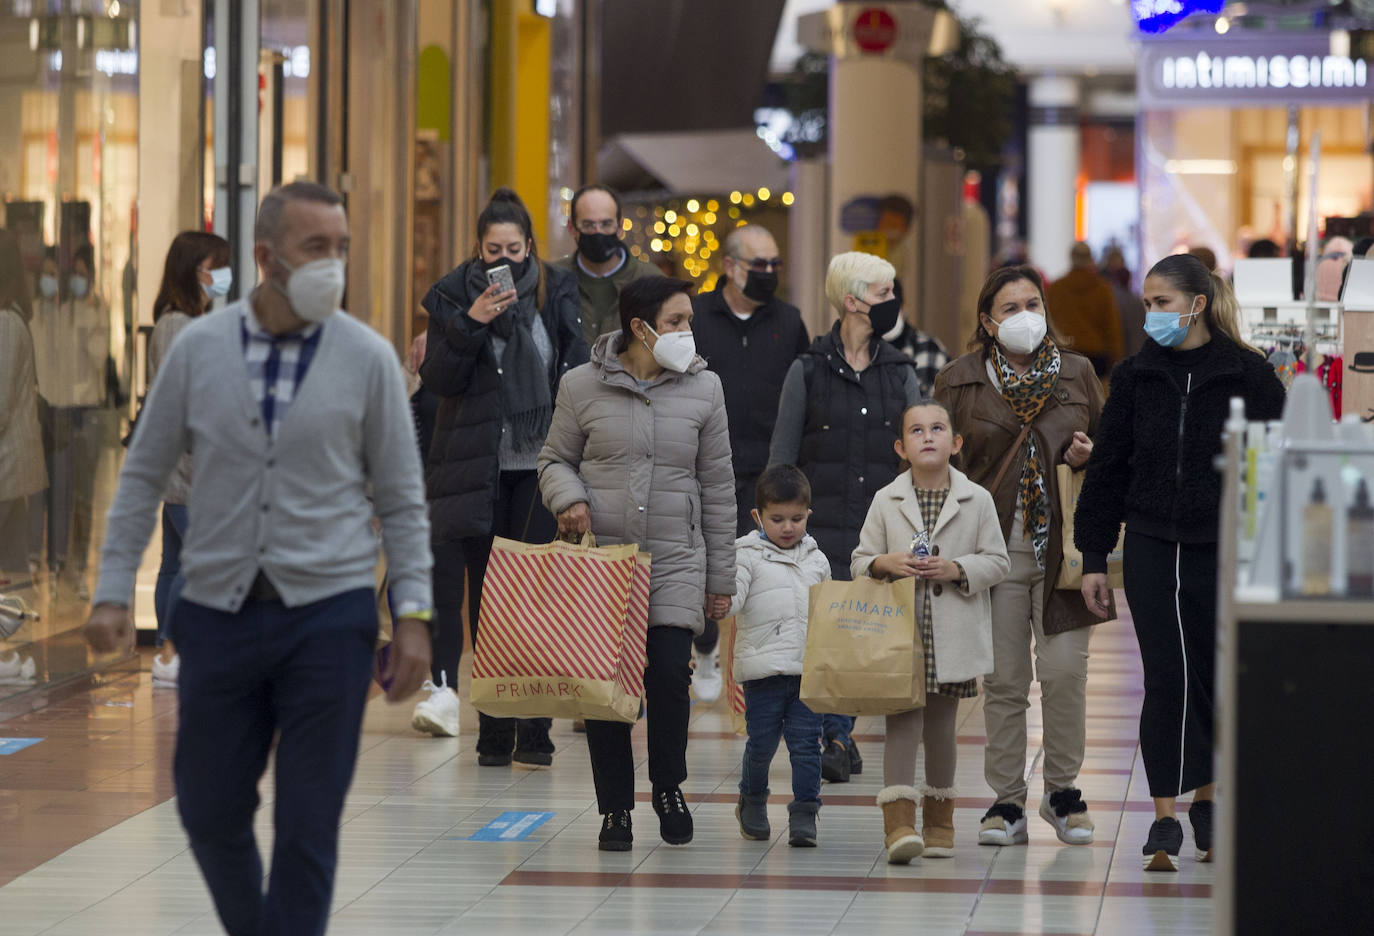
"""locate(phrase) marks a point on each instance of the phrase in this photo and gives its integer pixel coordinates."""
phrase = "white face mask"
(674, 351)
(80, 285)
(47, 285)
(1022, 333)
(221, 278)
(314, 289)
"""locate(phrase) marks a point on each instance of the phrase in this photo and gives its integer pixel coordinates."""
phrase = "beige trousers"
(1061, 665)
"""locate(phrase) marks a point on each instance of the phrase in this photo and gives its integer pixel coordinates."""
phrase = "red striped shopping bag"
(561, 631)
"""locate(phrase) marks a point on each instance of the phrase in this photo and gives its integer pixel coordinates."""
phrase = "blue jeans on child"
(773, 709)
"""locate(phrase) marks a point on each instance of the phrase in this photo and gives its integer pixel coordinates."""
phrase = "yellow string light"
(735, 198)
(788, 198)
(693, 205)
(764, 193)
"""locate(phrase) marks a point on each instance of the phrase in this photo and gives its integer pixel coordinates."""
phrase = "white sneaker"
(17, 671)
(706, 677)
(82, 590)
(166, 675)
(1003, 824)
(1066, 811)
(437, 715)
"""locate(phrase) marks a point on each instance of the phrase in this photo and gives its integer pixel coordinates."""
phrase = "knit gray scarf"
(526, 403)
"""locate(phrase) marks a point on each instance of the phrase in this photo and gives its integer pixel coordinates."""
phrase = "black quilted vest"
(846, 449)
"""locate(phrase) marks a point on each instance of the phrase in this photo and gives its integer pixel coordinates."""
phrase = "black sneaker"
(674, 819)
(1162, 847)
(493, 760)
(835, 763)
(856, 762)
(1200, 818)
(615, 831)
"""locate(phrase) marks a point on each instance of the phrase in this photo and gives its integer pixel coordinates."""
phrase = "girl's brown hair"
(997, 279)
(181, 289)
(925, 401)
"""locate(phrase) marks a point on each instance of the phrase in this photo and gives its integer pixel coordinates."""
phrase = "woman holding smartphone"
(494, 355)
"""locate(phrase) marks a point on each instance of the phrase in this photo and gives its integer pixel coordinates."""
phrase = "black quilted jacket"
(1152, 461)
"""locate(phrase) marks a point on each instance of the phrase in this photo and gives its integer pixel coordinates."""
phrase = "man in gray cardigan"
(292, 412)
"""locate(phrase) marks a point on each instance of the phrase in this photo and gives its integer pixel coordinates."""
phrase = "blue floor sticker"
(510, 827)
(10, 745)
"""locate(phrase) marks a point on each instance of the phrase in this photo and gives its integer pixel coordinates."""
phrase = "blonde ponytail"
(1224, 313)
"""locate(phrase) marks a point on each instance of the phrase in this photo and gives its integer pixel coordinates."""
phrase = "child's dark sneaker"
(1162, 847)
(856, 761)
(835, 763)
(752, 813)
(801, 824)
(674, 819)
(1003, 824)
(1200, 818)
(616, 834)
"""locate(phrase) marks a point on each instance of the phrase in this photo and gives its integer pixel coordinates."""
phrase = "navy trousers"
(300, 673)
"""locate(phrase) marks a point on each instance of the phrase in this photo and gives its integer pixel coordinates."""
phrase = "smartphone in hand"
(502, 278)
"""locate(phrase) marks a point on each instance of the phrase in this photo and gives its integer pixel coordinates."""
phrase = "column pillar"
(1052, 160)
(877, 52)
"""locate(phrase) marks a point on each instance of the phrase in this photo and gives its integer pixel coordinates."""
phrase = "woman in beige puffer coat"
(639, 452)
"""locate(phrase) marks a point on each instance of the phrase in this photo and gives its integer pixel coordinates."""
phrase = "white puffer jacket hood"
(772, 603)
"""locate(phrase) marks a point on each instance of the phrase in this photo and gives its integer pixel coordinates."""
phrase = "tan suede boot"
(899, 824)
(937, 821)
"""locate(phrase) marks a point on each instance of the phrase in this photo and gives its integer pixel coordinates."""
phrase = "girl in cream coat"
(967, 556)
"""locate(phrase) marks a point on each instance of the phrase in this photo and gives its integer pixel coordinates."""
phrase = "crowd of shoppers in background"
(593, 395)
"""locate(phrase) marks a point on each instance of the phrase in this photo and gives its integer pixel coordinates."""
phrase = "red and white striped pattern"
(633, 655)
(554, 609)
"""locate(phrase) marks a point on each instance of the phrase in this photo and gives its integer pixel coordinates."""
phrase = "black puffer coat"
(1151, 465)
(463, 463)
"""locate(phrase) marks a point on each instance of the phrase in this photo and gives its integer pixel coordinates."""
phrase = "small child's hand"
(897, 565)
(937, 569)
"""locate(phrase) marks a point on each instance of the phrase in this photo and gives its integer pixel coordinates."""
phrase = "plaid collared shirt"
(276, 366)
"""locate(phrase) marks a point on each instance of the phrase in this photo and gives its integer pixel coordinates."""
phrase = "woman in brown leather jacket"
(1024, 404)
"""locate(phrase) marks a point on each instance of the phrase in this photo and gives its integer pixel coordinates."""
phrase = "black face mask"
(760, 286)
(517, 270)
(883, 315)
(598, 248)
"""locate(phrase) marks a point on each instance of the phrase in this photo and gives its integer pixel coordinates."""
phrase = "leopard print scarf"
(1026, 395)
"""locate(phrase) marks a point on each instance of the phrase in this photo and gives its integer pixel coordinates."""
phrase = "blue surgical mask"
(80, 285)
(1166, 329)
(47, 285)
(221, 278)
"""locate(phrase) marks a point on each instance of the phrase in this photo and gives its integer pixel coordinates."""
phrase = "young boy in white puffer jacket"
(775, 569)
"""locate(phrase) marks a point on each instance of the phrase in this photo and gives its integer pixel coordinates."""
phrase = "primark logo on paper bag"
(535, 688)
(867, 608)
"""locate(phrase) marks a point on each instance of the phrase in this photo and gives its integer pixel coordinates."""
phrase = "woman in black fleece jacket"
(1152, 468)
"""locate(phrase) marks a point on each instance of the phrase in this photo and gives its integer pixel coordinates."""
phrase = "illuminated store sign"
(1279, 71)
(1271, 71)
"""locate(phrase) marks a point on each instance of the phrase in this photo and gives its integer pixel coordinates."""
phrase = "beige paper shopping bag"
(1071, 569)
(863, 649)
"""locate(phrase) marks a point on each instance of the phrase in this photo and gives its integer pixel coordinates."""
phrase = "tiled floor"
(86, 816)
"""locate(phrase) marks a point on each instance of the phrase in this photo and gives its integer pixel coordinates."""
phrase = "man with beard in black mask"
(749, 337)
(602, 264)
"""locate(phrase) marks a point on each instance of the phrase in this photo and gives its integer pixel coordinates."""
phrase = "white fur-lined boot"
(899, 824)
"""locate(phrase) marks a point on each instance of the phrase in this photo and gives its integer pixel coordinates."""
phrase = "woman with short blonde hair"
(840, 408)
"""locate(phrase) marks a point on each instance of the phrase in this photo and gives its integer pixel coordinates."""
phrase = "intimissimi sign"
(1277, 70)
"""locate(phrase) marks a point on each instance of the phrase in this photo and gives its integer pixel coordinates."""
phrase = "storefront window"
(69, 133)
